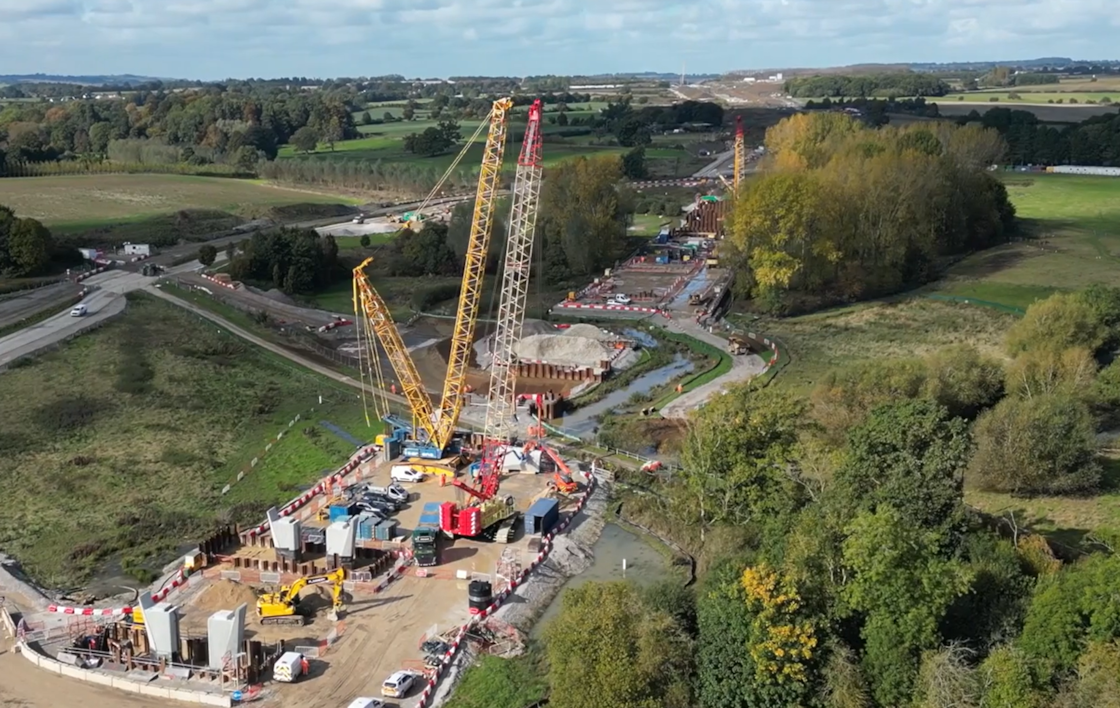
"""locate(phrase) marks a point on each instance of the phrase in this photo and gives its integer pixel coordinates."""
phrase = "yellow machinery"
(438, 423)
(282, 607)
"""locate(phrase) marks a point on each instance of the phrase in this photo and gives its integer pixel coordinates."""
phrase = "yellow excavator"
(282, 607)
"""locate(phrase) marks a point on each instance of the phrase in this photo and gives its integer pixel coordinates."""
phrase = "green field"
(159, 209)
(668, 155)
(1025, 95)
(1074, 227)
(823, 341)
(117, 446)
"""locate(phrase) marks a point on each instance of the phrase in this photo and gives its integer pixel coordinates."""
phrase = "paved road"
(24, 305)
(102, 304)
(721, 162)
(105, 300)
(743, 368)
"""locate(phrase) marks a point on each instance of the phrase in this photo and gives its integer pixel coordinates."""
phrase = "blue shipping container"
(366, 524)
(542, 516)
(338, 512)
(385, 530)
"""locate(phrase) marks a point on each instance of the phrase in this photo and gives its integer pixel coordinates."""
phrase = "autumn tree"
(783, 641)
(1045, 371)
(29, 247)
(909, 456)
(736, 458)
(1042, 445)
(207, 254)
(306, 139)
(1060, 321)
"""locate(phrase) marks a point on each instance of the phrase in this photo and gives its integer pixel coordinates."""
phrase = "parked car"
(366, 703)
(381, 506)
(404, 473)
(398, 685)
(619, 299)
(394, 491)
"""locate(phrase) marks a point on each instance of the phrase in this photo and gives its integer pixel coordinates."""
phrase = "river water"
(644, 566)
(583, 421)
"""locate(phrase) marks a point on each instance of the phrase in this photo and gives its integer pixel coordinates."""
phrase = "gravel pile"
(589, 332)
(564, 350)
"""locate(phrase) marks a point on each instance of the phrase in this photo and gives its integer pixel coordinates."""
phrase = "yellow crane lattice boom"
(470, 295)
(440, 423)
(376, 316)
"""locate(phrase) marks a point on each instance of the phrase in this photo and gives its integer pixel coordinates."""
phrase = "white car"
(358, 219)
(398, 685)
(366, 703)
(79, 311)
(404, 473)
(619, 299)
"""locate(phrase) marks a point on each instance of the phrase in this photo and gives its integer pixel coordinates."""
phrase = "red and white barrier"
(337, 323)
(546, 546)
(619, 308)
(180, 577)
(90, 273)
(362, 455)
(223, 283)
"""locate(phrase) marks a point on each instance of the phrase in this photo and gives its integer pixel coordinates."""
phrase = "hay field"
(75, 203)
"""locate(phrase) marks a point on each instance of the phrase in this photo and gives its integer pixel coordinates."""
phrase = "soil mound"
(225, 595)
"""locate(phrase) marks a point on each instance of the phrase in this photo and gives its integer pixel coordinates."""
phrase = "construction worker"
(304, 665)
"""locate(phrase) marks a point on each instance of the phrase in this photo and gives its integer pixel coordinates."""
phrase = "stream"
(582, 421)
(644, 566)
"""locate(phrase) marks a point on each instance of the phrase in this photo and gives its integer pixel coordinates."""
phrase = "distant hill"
(96, 80)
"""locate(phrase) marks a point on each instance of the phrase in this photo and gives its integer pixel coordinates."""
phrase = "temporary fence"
(457, 641)
(252, 464)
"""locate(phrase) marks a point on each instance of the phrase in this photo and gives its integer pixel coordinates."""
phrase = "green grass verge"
(116, 447)
(720, 364)
(494, 682)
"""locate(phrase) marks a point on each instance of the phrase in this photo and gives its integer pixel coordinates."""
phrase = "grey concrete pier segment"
(225, 633)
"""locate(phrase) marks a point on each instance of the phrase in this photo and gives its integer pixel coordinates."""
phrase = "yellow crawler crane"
(437, 423)
(282, 607)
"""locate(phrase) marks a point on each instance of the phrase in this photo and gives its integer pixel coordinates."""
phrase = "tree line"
(839, 564)
(295, 261)
(873, 85)
(846, 212)
(581, 228)
(26, 246)
(1094, 141)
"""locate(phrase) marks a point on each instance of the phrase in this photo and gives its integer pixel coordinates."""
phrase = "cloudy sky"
(213, 39)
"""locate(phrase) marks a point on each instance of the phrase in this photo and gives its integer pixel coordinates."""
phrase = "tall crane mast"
(515, 281)
(439, 423)
(740, 151)
(470, 295)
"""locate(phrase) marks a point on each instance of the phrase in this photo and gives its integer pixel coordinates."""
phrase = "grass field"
(826, 340)
(1063, 519)
(156, 209)
(1074, 222)
(1040, 96)
(116, 447)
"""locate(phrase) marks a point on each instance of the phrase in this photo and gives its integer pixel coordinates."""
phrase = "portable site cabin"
(542, 516)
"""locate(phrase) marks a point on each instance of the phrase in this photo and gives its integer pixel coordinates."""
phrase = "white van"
(79, 311)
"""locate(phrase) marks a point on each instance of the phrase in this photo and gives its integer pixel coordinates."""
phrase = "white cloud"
(218, 38)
